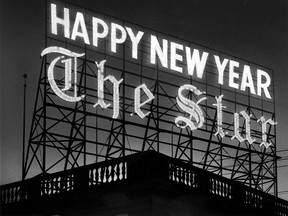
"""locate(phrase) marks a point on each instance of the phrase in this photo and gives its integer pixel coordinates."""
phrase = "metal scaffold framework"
(66, 135)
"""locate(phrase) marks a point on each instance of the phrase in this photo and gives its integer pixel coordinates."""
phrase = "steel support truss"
(67, 135)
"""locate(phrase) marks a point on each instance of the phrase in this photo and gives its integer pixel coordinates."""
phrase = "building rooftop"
(147, 183)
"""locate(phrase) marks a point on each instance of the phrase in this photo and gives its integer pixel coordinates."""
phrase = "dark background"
(254, 30)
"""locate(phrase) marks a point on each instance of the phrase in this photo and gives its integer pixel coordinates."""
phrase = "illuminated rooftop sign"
(195, 63)
(167, 51)
(110, 88)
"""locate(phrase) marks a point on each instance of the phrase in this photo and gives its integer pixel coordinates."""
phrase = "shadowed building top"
(135, 89)
(147, 183)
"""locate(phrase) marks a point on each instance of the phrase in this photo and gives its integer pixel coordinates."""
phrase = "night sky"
(254, 30)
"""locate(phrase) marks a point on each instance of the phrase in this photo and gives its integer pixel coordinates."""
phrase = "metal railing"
(135, 168)
(63, 182)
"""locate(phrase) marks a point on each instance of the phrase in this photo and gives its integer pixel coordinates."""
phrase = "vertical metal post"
(123, 99)
(24, 128)
(45, 95)
(275, 166)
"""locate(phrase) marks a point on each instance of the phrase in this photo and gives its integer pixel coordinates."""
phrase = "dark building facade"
(147, 183)
(197, 105)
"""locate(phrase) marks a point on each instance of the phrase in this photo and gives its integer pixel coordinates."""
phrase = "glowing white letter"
(137, 100)
(79, 22)
(236, 129)
(135, 41)
(175, 56)
(247, 127)
(190, 107)
(56, 20)
(100, 90)
(220, 67)
(68, 72)
(219, 116)
(247, 80)
(261, 85)
(96, 34)
(232, 74)
(264, 130)
(162, 54)
(114, 39)
(196, 61)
